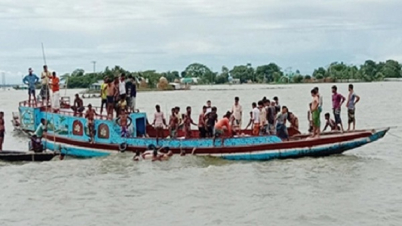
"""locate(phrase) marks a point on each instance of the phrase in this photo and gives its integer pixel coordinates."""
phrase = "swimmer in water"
(161, 154)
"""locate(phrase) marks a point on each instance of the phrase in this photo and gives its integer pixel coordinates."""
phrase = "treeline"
(270, 73)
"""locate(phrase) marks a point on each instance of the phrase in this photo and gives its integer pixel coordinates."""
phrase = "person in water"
(330, 123)
(315, 113)
(30, 80)
(187, 123)
(159, 122)
(173, 124)
(90, 116)
(78, 106)
(281, 129)
(156, 154)
(353, 98)
(2, 130)
(222, 125)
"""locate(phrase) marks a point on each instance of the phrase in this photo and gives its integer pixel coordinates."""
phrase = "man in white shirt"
(256, 119)
(237, 112)
(122, 87)
(44, 92)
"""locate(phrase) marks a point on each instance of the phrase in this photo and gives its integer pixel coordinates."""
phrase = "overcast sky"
(168, 35)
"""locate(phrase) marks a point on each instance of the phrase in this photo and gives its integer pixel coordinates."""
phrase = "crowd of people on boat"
(266, 117)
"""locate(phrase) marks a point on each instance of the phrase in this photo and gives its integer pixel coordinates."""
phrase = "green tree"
(267, 72)
(391, 69)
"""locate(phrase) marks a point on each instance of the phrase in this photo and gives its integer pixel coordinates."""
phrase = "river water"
(361, 187)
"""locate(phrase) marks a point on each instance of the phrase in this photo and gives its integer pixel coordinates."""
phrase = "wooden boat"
(17, 156)
(69, 135)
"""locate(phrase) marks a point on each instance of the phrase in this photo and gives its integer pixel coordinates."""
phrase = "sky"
(167, 35)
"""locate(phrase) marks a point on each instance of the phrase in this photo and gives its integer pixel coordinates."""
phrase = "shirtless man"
(173, 124)
(221, 126)
(78, 105)
(110, 91)
(2, 130)
(159, 122)
(201, 123)
(90, 116)
(315, 114)
(187, 123)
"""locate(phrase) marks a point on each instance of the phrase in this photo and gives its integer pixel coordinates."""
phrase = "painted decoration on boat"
(103, 131)
(27, 118)
(78, 128)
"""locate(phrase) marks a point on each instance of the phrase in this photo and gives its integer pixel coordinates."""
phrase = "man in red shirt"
(55, 92)
(221, 126)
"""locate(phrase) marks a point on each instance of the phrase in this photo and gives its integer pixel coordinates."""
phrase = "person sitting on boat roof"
(281, 130)
(222, 125)
(78, 106)
(30, 80)
(90, 116)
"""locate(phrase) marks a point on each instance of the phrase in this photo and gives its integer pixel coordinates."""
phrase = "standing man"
(56, 94)
(104, 95)
(315, 114)
(277, 105)
(320, 102)
(237, 112)
(337, 101)
(44, 92)
(256, 119)
(353, 98)
(131, 88)
(30, 80)
(122, 86)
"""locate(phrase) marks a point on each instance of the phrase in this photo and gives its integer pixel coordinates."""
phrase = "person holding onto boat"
(337, 101)
(103, 95)
(30, 80)
(256, 119)
(90, 116)
(212, 118)
(131, 89)
(221, 126)
(330, 123)
(2, 130)
(188, 121)
(353, 98)
(281, 129)
(315, 114)
(55, 93)
(44, 92)
(78, 106)
(201, 123)
(237, 112)
(159, 122)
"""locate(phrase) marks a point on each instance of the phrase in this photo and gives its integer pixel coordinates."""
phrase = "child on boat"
(159, 122)
(124, 121)
(330, 123)
(309, 119)
(173, 124)
(187, 122)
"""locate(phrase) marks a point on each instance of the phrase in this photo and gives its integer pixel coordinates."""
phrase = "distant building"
(96, 86)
